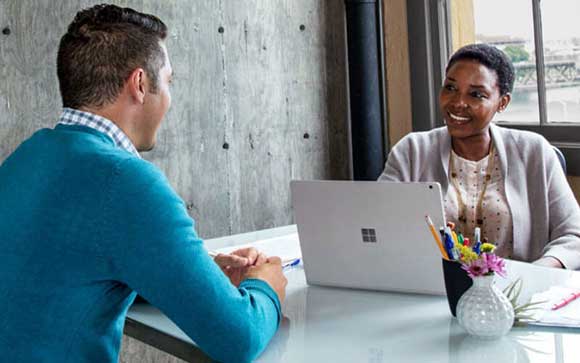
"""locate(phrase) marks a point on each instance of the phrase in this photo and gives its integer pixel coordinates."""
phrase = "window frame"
(430, 43)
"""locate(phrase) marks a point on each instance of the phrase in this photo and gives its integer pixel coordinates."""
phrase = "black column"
(365, 68)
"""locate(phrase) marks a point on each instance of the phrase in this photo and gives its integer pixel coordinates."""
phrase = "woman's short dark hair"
(101, 48)
(492, 58)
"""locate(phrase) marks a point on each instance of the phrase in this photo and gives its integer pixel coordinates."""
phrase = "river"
(563, 105)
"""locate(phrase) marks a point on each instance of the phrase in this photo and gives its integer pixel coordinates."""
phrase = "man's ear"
(136, 85)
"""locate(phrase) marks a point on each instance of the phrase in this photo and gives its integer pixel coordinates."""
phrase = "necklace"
(462, 218)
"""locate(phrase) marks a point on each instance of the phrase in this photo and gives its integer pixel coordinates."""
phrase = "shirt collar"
(70, 116)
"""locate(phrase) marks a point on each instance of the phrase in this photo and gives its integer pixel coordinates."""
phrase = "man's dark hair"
(101, 48)
(492, 58)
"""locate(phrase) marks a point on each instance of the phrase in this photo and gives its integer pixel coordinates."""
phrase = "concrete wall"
(265, 77)
(271, 86)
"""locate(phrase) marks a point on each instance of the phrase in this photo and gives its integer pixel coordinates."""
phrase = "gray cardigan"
(545, 213)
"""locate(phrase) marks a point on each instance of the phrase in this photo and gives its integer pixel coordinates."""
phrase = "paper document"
(286, 247)
(566, 316)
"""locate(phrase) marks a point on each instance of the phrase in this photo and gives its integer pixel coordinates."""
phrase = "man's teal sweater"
(84, 225)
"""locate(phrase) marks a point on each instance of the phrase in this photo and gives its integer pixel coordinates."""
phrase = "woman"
(507, 182)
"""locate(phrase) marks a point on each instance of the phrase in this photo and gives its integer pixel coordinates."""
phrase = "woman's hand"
(548, 261)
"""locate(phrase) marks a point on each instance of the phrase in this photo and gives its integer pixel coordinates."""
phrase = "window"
(543, 45)
(541, 37)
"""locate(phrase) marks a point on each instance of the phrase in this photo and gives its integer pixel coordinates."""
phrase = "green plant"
(517, 53)
(522, 314)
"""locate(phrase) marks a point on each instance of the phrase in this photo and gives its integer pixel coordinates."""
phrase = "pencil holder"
(456, 283)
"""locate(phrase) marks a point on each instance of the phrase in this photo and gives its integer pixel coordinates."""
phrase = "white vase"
(484, 310)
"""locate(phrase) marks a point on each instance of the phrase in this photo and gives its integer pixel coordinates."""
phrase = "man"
(85, 223)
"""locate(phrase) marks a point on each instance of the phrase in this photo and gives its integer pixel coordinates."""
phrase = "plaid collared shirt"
(71, 116)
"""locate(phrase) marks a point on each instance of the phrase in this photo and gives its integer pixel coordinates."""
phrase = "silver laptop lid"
(369, 235)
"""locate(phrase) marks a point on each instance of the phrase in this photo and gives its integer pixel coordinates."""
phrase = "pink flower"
(494, 263)
(486, 264)
(476, 268)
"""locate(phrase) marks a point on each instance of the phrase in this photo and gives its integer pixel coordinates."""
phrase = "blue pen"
(449, 244)
(291, 263)
(477, 237)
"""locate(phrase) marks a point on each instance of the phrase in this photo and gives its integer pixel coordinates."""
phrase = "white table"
(341, 325)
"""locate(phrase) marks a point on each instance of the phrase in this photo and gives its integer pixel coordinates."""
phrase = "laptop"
(369, 235)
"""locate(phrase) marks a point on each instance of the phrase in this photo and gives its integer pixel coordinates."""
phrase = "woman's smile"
(457, 119)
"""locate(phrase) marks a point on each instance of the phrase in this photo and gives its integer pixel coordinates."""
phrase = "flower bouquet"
(485, 263)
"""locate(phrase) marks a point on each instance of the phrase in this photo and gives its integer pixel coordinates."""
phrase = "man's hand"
(236, 264)
(271, 273)
(548, 261)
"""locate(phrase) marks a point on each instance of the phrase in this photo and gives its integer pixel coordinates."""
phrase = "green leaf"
(521, 312)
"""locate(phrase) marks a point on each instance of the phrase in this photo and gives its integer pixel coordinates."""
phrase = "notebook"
(566, 316)
(369, 235)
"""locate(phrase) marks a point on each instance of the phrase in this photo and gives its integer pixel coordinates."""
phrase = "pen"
(445, 243)
(477, 240)
(454, 235)
(449, 247)
(436, 237)
(291, 263)
(573, 296)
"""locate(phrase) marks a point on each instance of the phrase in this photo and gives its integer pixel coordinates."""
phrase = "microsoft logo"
(369, 235)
